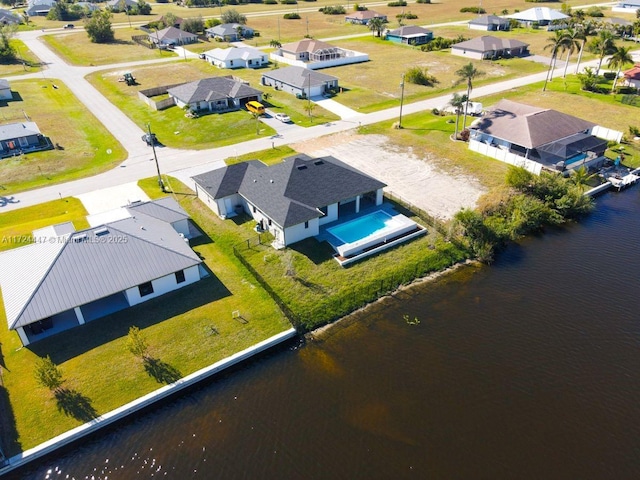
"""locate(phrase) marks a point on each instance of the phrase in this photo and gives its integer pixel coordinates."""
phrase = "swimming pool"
(363, 227)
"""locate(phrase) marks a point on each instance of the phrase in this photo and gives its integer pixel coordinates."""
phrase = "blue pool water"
(362, 227)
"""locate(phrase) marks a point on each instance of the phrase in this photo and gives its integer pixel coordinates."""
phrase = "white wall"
(331, 216)
(505, 156)
(352, 57)
(606, 133)
(163, 285)
(298, 232)
(181, 226)
(207, 200)
(466, 53)
(478, 27)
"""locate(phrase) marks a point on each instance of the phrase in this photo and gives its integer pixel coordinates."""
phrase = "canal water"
(528, 369)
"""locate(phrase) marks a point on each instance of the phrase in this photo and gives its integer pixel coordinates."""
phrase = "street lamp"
(155, 157)
(401, 101)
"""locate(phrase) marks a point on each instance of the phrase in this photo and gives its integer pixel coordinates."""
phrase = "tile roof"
(528, 126)
(18, 130)
(292, 191)
(299, 76)
(213, 88)
(487, 43)
(633, 73)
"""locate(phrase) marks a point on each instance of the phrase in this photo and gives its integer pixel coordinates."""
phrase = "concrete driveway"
(335, 107)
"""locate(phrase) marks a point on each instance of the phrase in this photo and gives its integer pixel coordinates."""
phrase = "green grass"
(31, 62)
(94, 359)
(16, 226)
(88, 148)
(270, 156)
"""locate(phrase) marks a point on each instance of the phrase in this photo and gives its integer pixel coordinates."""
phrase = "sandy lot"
(416, 180)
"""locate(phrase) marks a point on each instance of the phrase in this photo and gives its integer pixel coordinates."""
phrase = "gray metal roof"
(89, 265)
(299, 77)
(18, 130)
(165, 209)
(228, 29)
(489, 43)
(529, 126)
(409, 31)
(290, 192)
(489, 20)
(4, 84)
(213, 88)
(7, 17)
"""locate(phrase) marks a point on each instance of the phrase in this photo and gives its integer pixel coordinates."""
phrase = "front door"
(228, 206)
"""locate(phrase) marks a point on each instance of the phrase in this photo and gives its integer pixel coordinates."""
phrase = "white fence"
(351, 56)
(606, 133)
(505, 156)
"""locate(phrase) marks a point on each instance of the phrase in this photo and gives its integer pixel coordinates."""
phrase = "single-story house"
(214, 94)
(554, 140)
(236, 57)
(172, 36)
(21, 137)
(363, 17)
(121, 5)
(40, 8)
(410, 35)
(291, 199)
(299, 81)
(490, 47)
(5, 90)
(632, 77)
(88, 6)
(315, 54)
(67, 278)
(538, 15)
(490, 23)
(8, 18)
(230, 32)
(626, 6)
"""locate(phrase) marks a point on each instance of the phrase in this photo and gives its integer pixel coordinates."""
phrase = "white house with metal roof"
(316, 54)
(299, 81)
(489, 23)
(490, 47)
(292, 199)
(67, 278)
(236, 57)
(539, 16)
(626, 6)
(39, 7)
(5, 90)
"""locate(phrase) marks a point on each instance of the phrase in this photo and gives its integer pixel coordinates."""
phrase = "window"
(306, 224)
(269, 222)
(145, 289)
(254, 209)
(180, 276)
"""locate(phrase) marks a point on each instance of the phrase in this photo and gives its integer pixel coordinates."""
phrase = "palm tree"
(376, 25)
(587, 29)
(457, 102)
(604, 44)
(275, 44)
(618, 60)
(556, 42)
(571, 44)
(467, 74)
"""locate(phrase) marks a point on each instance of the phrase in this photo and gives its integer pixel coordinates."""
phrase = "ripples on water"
(527, 369)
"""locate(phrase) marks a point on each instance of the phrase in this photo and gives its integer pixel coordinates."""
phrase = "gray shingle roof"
(409, 31)
(529, 126)
(7, 17)
(90, 265)
(299, 77)
(290, 192)
(228, 29)
(488, 43)
(489, 20)
(214, 88)
(173, 33)
(17, 130)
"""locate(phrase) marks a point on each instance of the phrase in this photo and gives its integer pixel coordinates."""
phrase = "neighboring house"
(315, 54)
(299, 81)
(214, 94)
(632, 77)
(5, 90)
(230, 32)
(363, 17)
(39, 8)
(536, 137)
(8, 18)
(23, 137)
(172, 36)
(236, 57)
(121, 5)
(67, 278)
(627, 6)
(490, 23)
(88, 6)
(291, 199)
(489, 47)
(410, 35)
(538, 15)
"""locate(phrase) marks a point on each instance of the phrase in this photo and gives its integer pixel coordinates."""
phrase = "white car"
(282, 117)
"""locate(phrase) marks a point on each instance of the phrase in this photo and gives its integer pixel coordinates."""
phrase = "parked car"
(150, 139)
(69, 25)
(202, 56)
(282, 117)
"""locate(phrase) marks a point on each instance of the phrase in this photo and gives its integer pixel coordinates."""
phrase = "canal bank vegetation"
(525, 204)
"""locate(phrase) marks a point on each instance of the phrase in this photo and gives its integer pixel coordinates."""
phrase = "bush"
(423, 1)
(634, 131)
(594, 12)
(333, 10)
(623, 90)
(398, 3)
(609, 75)
(476, 10)
(408, 16)
(419, 76)
(288, 2)
(291, 16)
(271, 2)
(435, 112)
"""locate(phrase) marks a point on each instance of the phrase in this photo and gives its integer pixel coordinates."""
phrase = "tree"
(572, 43)
(555, 44)
(48, 374)
(193, 25)
(580, 177)
(604, 44)
(588, 80)
(212, 22)
(420, 76)
(275, 44)
(467, 74)
(587, 29)
(98, 27)
(7, 51)
(618, 59)
(233, 16)
(457, 102)
(137, 343)
(376, 25)
(169, 20)
(143, 8)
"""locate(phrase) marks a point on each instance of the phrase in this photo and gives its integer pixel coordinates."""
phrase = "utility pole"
(155, 157)
(401, 101)
(309, 95)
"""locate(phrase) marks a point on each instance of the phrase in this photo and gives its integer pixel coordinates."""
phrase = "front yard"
(26, 61)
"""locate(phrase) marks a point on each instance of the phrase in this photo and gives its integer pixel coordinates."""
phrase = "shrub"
(435, 112)
(270, 2)
(623, 90)
(541, 1)
(423, 1)
(48, 374)
(359, 8)
(288, 2)
(291, 16)
(634, 131)
(476, 10)
(398, 3)
(594, 12)
(408, 16)
(333, 10)
(419, 76)
(609, 75)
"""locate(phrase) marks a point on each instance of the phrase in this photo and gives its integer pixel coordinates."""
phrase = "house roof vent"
(318, 162)
(271, 181)
(80, 238)
(101, 231)
(302, 167)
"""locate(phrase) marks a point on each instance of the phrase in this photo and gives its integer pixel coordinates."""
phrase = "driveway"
(335, 107)
(106, 199)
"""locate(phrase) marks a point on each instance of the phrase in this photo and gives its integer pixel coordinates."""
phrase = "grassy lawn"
(269, 156)
(178, 327)
(88, 148)
(16, 226)
(26, 62)
(77, 49)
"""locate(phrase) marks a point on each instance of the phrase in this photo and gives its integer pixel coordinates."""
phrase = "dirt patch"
(417, 180)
